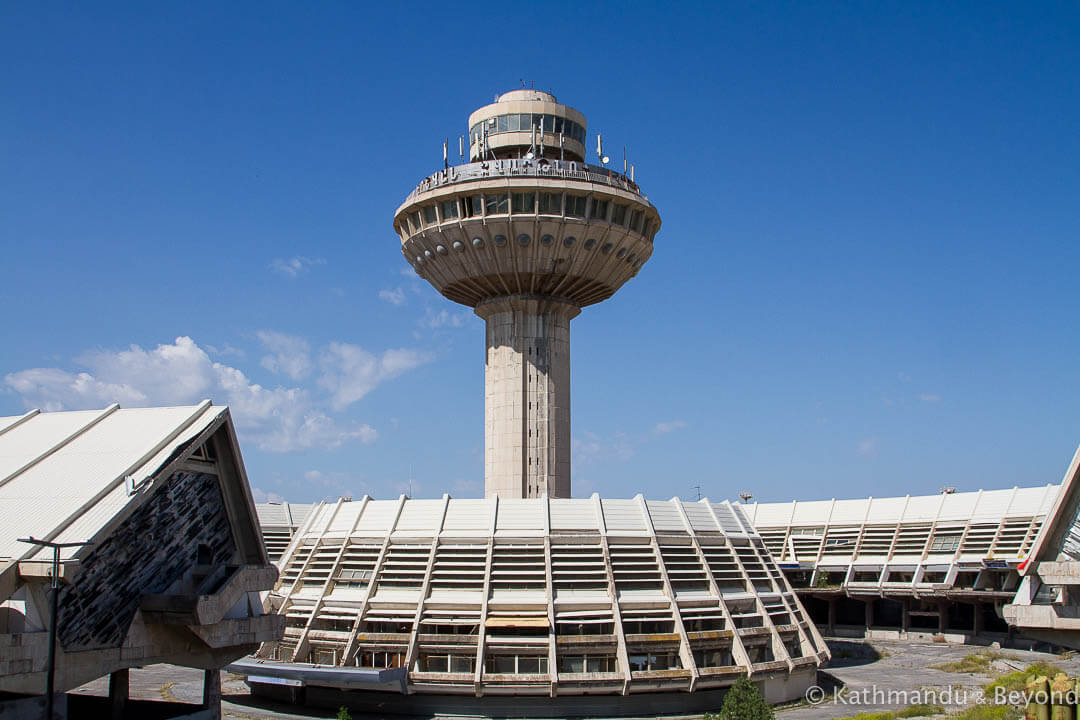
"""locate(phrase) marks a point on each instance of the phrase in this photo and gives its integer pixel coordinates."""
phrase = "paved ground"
(904, 668)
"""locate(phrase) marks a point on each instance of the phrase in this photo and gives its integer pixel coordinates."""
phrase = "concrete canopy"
(175, 559)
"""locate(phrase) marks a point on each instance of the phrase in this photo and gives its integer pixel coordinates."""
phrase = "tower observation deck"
(526, 233)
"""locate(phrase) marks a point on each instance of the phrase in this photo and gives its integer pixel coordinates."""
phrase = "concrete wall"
(527, 397)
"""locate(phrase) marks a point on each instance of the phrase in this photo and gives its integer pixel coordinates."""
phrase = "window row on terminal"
(529, 203)
(517, 122)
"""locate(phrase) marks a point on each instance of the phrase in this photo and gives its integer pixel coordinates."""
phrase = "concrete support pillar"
(527, 396)
(869, 613)
(831, 624)
(976, 620)
(118, 692)
(211, 694)
(943, 617)
(905, 618)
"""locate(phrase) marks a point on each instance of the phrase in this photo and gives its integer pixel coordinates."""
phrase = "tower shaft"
(527, 396)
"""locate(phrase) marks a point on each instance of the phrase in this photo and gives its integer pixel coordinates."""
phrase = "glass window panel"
(512, 123)
(501, 664)
(461, 664)
(573, 664)
(618, 214)
(525, 119)
(575, 205)
(502, 123)
(558, 125)
(528, 664)
(599, 209)
(635, 221)
(429, 215)
(449, 209)
(551, 203)
(436, 663)
(523, 202)
(639, 662)
(496, 204)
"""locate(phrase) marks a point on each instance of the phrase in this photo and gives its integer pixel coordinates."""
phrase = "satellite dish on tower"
(605, 160)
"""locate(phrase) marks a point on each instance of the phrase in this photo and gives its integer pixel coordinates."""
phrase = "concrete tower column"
(527, 396)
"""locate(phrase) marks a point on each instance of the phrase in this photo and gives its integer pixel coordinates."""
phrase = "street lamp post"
(50, 673)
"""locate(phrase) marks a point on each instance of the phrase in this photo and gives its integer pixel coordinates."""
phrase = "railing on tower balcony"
(522, 167)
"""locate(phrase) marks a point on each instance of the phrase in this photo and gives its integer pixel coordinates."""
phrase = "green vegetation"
(912, 711)
(920, 710)
(1018, 681)
(343, 713)
(989, 712)
(743, 701)
(974, 663)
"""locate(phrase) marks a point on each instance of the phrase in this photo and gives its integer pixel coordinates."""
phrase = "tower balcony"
(527, 227)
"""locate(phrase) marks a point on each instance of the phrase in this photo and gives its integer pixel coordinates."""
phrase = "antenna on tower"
(697, 489)
(600, 147)
(623, 159)
(461, 147)
(746, 496)
(445, 158)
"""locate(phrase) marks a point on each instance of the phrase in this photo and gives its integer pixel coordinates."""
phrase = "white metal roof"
(508, 518)
(62, 474)
(982, 505)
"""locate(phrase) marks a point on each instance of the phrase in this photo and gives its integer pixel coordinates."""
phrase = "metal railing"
(538, 168)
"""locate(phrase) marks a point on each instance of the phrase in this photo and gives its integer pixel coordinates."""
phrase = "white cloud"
(275, 419)
(663, 428)
(930, 398)
(444, 318)
(394, 297)
(349, 372)
(867, 447)
(289, 355)
(409, 272)
(261, 496)
(291, 267)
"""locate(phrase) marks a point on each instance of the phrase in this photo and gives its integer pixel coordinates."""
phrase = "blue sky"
(865, 282)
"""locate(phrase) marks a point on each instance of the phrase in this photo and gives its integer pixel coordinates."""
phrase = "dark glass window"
(599, 209)
(512, 123)
(523, 202)
(502, 123)
(496, 204)
(551, 203)
(575, 205)
(473, 205)
(429, 215)
(525, 119)
(635, 221)
(618, 214)
(449, 209)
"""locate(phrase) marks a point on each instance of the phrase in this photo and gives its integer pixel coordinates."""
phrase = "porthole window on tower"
(575, 206)
(523, 202)
(551, 203)
(497, 204)
(449, 210)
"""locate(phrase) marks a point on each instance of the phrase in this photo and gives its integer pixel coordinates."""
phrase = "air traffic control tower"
(527, 233)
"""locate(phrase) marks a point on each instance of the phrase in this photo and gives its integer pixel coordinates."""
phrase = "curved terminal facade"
(527, 234)
(542, 597)
(898, 567)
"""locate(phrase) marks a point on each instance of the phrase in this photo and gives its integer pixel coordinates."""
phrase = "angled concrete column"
(527, 396)
(118, 692)
(211, 696)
